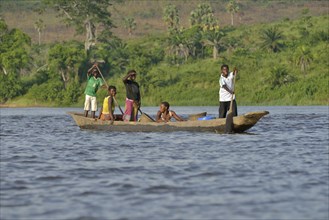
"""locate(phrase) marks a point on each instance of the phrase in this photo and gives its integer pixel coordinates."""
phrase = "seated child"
(164, 114)
(107, 110)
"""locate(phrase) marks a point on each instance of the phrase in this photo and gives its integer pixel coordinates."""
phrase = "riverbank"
(13, 105)
(266, 77)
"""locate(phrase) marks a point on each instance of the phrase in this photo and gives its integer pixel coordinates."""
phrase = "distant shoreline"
(48, 106)
(22, 106)
(31, 106)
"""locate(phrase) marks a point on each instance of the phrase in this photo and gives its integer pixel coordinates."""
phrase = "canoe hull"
(241, 124)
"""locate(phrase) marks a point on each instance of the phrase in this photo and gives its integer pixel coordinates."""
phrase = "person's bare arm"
(227, 89)
(176, 116)
(110, 101)
(235, 71)
(124, 79)
(158, 117)
(90, 69)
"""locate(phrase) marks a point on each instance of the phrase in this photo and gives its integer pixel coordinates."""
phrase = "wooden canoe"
(241, 124)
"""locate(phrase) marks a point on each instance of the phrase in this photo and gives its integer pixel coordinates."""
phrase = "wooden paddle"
(142, 113)
(115, 100)
(139, 109)
(229, 126)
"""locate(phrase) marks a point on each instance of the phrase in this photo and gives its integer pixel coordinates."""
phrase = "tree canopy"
(87, 16)
(171, 17)
(176, 67)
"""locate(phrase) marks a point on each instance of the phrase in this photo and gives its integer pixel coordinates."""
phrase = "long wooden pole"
(229, 125)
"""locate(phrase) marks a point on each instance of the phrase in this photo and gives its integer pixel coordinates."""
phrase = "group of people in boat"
(133, 97)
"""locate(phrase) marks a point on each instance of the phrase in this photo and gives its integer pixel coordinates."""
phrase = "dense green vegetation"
(280, 63)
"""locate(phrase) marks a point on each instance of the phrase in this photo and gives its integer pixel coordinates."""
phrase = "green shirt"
(92, 85)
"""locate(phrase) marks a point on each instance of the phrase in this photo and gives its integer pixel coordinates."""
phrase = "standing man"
(133, 97)
(93, 84)
(226, 91)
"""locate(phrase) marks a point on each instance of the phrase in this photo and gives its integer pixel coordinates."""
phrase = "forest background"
(177, 47)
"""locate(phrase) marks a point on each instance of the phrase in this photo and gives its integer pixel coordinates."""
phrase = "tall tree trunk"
(303, 67)
(4, 70)
(39, 32)
(65, 78)
(90, 34)
(215, 52)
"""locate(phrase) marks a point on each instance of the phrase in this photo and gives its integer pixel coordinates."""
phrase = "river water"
(50, 169)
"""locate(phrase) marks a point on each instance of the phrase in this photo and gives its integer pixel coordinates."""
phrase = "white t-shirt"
(224, 95)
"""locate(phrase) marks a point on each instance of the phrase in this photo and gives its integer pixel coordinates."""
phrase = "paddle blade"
(146, 118)
(229, 122)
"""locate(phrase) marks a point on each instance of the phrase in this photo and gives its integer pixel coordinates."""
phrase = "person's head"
(224, 69)
(132, 74)
(164, 106)
(95, 72)
(112, 91)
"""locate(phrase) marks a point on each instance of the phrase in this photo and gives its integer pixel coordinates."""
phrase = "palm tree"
(39, 26)
(272, 39)
(171, 17)
(279, 76)
(192, 40)
(209, 21)
(213, 38)
(230, 43)
(303, 58)
(232, 7)
(130, 25)
(177, 47)
(202, 15)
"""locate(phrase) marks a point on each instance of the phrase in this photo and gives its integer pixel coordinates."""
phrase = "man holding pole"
(226, 92)
(93, 84)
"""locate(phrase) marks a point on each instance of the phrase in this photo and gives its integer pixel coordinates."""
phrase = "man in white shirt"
(226, 91)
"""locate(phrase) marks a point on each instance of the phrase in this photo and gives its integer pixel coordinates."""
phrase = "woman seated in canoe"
(107, 110)
(164, 114)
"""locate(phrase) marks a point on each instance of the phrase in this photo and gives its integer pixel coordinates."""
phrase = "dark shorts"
(225, 106)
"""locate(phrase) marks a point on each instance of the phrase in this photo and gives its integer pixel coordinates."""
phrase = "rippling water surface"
(50, 169)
